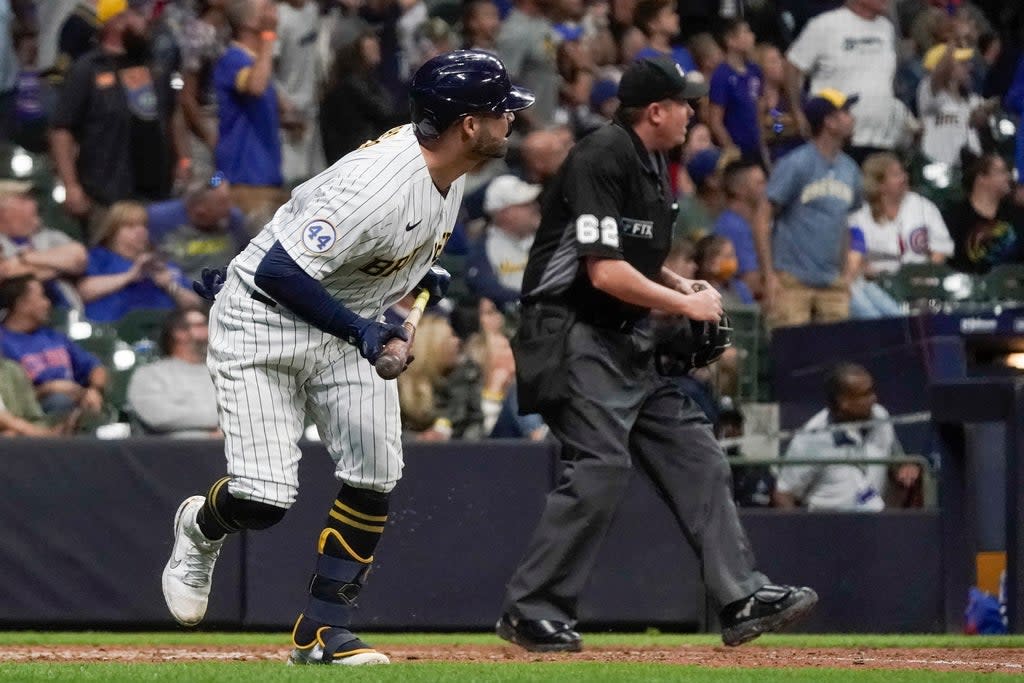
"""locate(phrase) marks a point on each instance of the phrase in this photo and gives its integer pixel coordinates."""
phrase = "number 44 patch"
(319, 236)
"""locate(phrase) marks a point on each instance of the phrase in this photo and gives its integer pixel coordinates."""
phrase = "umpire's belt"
(587, 317)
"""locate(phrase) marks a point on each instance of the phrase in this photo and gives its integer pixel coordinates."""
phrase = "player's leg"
(358, 418)
(261, 406)
(540, 605)
(673, 444)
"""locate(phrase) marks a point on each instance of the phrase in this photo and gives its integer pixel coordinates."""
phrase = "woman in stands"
(893, 227)
(125, 272)
(440, 392)
(987, 226)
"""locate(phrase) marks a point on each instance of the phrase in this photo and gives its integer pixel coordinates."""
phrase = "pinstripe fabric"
(270, 368)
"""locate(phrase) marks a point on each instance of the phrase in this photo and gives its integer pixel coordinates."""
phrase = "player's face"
(490, 137)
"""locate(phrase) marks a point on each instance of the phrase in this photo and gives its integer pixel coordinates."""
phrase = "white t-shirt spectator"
(857, 488)
(947, 123)
(917, 231)
(855, 56)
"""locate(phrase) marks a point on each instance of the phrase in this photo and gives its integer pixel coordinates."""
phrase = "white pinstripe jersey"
(368, 228)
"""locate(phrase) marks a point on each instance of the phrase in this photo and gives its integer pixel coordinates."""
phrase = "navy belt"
(263, 299)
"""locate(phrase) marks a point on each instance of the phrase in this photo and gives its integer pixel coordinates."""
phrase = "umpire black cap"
(659, 78)
(458, 84)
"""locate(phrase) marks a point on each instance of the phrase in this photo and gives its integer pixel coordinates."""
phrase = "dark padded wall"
(85, 528)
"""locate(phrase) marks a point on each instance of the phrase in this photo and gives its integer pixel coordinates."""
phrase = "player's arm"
(286, 282)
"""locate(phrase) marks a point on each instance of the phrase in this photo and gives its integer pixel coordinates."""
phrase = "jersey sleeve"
(595, 188)
(782, 184)
(939, 241)
(232, 70)
(804, 52)
(322, 230)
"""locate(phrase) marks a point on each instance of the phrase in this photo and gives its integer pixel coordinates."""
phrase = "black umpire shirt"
(610, 199)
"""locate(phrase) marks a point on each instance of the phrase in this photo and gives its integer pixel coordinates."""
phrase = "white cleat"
(359, 657)
(187, 576)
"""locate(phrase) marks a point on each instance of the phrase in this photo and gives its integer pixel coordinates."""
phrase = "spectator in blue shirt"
(1014, 102)
(717, 264)
(126, 273)
(64, 375)
(200, 230)
(736, 88)
(659, 21)
(746, 204)
(248, 148)
(813, 189)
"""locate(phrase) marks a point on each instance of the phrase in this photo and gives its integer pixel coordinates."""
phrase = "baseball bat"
(396, 352)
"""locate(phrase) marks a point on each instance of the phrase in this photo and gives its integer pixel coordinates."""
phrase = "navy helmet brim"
(518, 99)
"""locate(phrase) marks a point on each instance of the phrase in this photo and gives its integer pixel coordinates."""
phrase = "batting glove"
(371, 336)
(436, 282)
(211, 283)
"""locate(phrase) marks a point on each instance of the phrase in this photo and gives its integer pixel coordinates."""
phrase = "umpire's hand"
(436, 282)
(705, 304)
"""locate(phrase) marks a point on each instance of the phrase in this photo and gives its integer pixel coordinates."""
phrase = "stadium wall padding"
(87, 529)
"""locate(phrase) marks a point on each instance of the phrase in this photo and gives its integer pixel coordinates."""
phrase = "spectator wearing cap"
(853, 50)
(813, 189)
(737, 85)
(200, 230)
(109, 142)
(951, 112)
(29, 248)
(497, 261)
(747, 205)
(78, 34)
(175, 396)
(528, 45)
(64, 375)
(355, 106)
(659, 21)
(248, 146)
(698, 211)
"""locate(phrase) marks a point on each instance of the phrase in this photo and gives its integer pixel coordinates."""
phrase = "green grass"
(432, 672)
(648, 639)
(438, 672)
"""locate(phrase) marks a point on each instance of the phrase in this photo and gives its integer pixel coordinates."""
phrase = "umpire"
(584, 358)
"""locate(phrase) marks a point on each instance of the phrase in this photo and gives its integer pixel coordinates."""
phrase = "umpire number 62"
(590, 230)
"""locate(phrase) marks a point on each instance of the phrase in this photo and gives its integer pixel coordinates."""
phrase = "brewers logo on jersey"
(368, 229)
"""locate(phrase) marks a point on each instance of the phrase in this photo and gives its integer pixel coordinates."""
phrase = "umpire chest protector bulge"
(610, 199)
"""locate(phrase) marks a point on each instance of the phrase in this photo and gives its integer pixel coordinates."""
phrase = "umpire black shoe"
(769, 609)
(539, 635)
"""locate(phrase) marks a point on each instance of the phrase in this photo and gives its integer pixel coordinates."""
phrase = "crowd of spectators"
(177, 127)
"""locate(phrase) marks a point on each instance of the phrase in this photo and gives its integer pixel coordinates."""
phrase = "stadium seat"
(747, 333)
(920, 282)
(142, 323)
(1005, 284)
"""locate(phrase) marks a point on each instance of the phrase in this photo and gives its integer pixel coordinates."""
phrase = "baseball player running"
(585, 360)
(298, 318)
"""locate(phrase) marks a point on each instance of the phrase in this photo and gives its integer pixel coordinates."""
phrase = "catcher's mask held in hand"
(687, 344)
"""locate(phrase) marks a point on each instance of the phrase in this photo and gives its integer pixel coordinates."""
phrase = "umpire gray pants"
(621, 414)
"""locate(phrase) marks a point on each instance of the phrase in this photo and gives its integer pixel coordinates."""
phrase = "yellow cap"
(935, 55)
(108, 9)
(837, 98)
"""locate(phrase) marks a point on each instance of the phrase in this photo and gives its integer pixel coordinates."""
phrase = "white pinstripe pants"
(269, 369)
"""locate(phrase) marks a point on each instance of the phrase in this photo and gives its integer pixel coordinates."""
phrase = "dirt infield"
(994, 660)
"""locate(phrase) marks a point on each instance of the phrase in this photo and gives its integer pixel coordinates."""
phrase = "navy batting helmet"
(458, 84)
